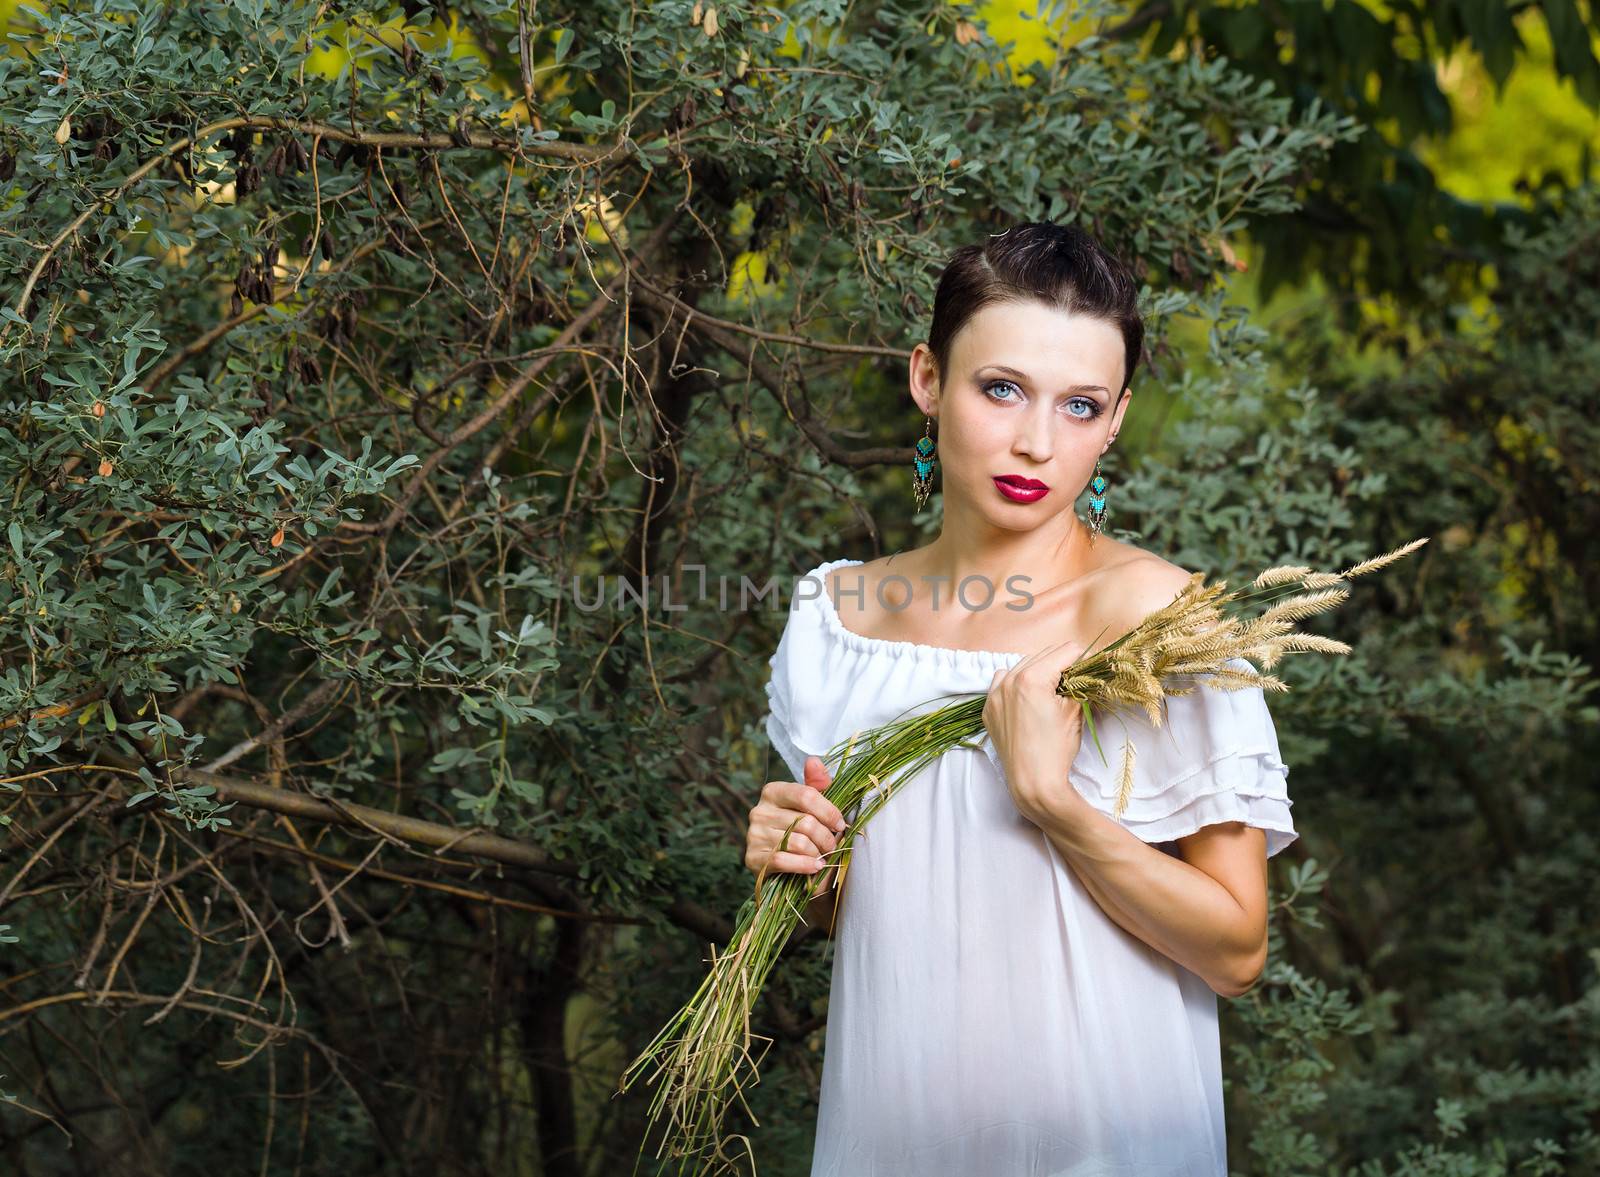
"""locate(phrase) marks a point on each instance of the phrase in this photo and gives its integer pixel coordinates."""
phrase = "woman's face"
(1031, 394)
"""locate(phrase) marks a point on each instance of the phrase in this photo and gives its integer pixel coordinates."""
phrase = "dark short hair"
(1061, 265)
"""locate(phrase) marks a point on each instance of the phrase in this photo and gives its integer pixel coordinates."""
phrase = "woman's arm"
(1207, 910)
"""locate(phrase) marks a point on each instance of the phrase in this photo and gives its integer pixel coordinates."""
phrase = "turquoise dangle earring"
(922, 481)
(1097, 502)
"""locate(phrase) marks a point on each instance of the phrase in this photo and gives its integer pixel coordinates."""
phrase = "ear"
(924, 380)
(1117, 415)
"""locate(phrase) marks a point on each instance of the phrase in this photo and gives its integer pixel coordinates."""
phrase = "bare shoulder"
(1147, 580)
(1132, 587)
(850, 588)
(853, 586)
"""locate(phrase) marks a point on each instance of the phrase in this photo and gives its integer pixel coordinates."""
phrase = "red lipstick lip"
(1013, 489)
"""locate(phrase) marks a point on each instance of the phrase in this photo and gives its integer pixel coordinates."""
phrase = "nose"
(1034, 435)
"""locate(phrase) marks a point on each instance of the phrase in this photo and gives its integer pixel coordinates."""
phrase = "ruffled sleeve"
(1215, 758)
(782, 726)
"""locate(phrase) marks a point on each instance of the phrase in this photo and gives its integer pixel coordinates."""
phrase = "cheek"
(975, 437)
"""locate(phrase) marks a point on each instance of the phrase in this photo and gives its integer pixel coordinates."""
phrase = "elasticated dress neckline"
(990, 660)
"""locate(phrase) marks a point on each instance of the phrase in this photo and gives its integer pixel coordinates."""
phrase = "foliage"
(1383, 218)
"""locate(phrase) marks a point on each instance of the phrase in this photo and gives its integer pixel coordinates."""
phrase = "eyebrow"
(1026, 379)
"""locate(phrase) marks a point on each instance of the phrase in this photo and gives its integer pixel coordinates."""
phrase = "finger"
(809, 799)
(790, 863)
(821, 836)
(1067, 653)
(1049, 661)
(808, 824)
(816, 774)
(798, 843)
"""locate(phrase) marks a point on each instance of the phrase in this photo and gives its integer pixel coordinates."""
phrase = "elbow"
(1242, 974)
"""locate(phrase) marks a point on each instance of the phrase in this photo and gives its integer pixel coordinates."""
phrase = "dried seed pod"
(8, 165)
(436, 81)
(325, 243)
(277, 537)
(236, 305)
(458, 132)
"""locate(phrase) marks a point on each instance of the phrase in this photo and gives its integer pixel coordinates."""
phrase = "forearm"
(1172, 906)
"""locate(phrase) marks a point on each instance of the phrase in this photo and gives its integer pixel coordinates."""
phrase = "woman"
(1023, 985)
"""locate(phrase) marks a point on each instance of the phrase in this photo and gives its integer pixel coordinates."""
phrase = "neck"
(1045, 556)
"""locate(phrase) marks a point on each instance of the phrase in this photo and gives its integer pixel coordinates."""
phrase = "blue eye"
(1087, 401)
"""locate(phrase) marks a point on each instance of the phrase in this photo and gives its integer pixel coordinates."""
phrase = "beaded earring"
(1097, 502)
(922, 480)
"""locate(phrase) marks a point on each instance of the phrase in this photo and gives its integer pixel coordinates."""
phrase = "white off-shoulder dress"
(986, 1017)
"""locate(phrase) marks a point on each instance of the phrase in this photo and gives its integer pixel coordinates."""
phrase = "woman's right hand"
(815, 834)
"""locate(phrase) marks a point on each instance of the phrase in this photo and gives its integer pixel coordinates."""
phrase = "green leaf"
(1088, 722)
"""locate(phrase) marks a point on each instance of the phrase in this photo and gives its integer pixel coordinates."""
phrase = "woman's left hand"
(1036, 732)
